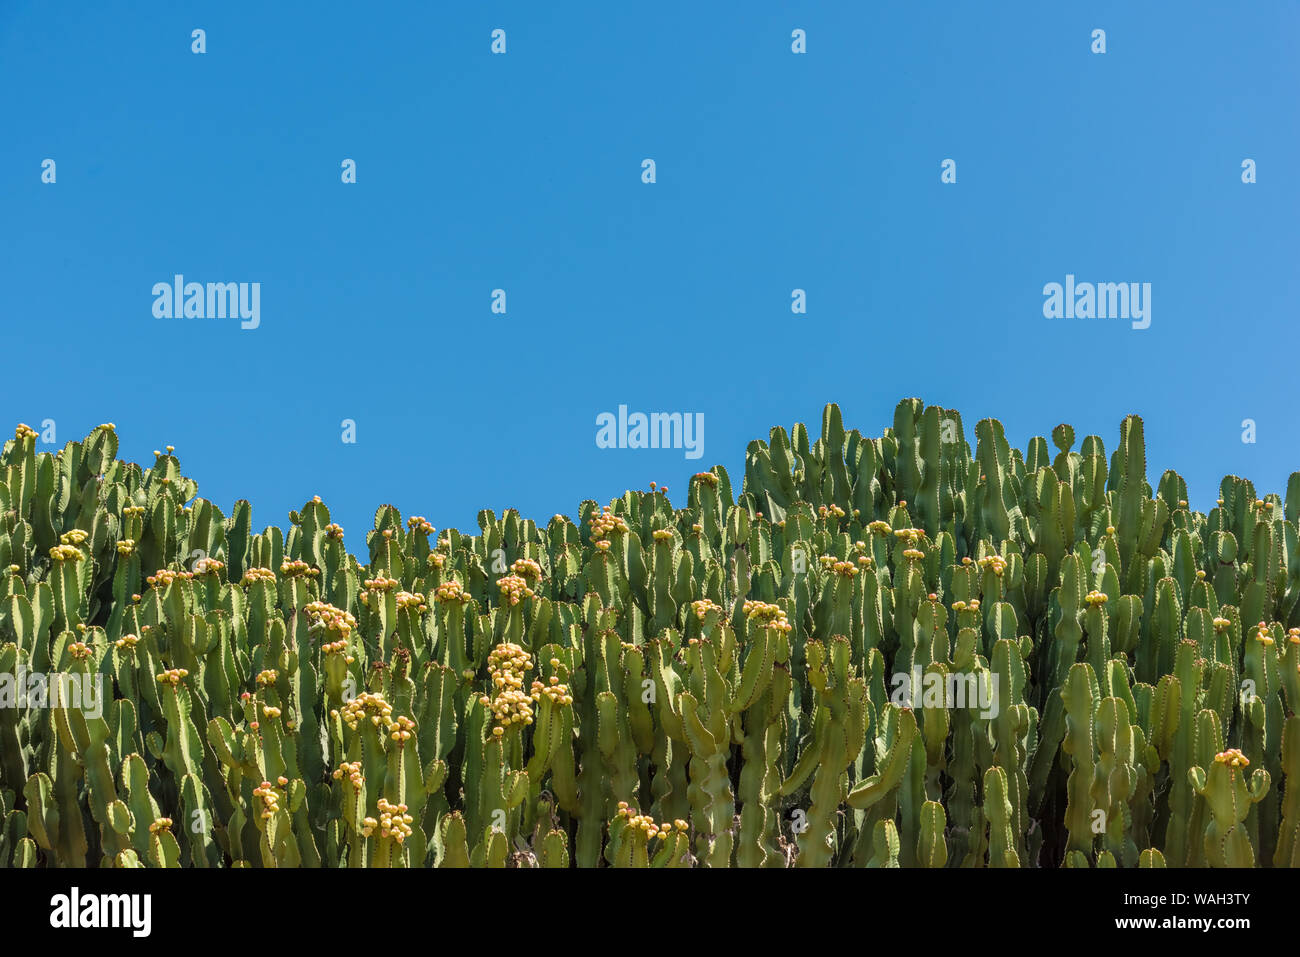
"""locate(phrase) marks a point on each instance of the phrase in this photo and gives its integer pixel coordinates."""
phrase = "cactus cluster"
(881, 652)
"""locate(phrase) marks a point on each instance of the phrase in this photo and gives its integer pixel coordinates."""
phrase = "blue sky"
(522, 171)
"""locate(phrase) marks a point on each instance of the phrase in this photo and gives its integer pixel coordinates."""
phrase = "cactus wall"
(1115, 677)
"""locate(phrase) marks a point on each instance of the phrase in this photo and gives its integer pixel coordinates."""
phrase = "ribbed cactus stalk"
(1080, 696)
(1287, 853)
(838, 734)
(1230, 796)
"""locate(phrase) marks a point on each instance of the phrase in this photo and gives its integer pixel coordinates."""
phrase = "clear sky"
(522, 171)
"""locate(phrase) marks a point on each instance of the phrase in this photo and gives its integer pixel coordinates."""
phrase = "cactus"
(1230, 796)
(1127, 668)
